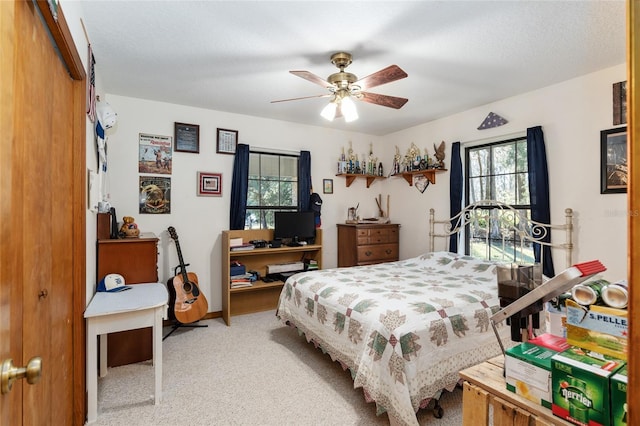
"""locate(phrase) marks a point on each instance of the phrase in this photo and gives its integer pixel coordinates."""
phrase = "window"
(273, 186)
(498, 171)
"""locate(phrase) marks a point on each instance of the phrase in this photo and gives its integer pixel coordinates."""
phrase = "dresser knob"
(368, 253)
(387, 251)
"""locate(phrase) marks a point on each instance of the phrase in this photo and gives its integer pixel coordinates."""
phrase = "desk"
(485, 387)
(144, 305)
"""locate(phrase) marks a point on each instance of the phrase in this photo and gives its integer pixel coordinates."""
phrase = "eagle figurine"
(439, 154)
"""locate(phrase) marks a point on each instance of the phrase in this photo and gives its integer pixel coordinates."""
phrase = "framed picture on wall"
(327, 186)
(620, 103)
(209, 184)
(187, 137)
(613, 161)
(226, 141)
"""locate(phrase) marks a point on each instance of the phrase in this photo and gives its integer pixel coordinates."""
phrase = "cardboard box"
(598, 328)
(580, 386)
(528, 372)
(619, 398)
(550, 341)
(556, 319)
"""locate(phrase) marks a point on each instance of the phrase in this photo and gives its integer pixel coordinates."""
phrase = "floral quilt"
(404, 329)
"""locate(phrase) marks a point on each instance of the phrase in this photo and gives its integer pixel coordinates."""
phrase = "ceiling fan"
(343, 86)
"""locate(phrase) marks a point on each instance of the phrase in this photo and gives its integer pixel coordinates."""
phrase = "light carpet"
(256, 372)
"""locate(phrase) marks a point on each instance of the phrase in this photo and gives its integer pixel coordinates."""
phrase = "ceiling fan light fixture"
(329, 111)
(349, 109)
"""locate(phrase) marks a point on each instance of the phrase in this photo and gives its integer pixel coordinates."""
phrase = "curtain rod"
(273, 150)
(496, 138)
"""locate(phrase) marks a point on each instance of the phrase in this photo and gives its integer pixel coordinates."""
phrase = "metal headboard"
(501, 217)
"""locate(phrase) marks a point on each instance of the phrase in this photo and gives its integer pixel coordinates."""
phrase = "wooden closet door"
(42, 208)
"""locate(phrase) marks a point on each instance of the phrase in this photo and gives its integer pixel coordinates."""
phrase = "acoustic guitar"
(186, 302)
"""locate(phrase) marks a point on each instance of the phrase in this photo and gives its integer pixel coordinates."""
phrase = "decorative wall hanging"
(155, 195)
(154, 154)
(226, 141)
(613, 161)
(620, 103)
(420, 182)
(209, 184)
(187, 137)
(492, 120)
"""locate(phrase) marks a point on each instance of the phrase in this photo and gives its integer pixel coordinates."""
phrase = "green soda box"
(581, 386)
(619, 398)
(528, 372)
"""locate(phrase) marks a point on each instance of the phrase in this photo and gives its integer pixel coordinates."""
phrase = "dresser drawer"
(377, 235)
(377, 253)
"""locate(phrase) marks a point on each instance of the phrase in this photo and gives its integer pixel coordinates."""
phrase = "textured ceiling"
(235, 56)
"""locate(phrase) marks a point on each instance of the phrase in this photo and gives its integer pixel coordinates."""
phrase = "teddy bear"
(129, 229)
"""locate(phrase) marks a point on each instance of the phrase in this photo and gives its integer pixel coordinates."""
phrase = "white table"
(144, 305)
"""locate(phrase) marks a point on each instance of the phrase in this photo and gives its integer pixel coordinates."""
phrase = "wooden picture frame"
(327, 186)
(209, 184)
(613, 161)
(620, 103)
(226, 141)
(187, 138)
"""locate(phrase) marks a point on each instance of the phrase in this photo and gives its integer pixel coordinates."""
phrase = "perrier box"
(580, 385)
(619, 398)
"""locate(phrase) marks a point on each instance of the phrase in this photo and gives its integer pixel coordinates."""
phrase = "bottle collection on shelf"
(412, 161)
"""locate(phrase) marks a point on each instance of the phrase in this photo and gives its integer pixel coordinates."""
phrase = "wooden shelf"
(257, 285)
(430, 174)
(350, 177)
(261, 296)
(268, 251)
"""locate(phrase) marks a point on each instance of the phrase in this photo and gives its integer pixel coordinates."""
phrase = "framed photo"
(187, 137)
(327, 186)
(227, 141)
(620, 103)
(613, 161)
(209, 184)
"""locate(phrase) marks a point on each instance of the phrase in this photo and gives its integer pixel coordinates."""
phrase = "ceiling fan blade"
(309, 76)
(384, 100)
(304, 97)
(384, 76)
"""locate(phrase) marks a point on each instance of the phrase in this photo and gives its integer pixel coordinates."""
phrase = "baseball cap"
(112, 283)
(315, 202)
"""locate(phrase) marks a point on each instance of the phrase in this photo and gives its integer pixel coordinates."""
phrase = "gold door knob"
(32, 372)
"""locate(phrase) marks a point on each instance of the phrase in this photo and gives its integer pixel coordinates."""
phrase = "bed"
(404, 329)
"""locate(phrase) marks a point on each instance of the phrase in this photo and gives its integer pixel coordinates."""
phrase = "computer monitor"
(295, 226)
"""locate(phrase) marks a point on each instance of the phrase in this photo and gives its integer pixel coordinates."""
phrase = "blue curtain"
(304, 181)
(539, 193)
(239, 187)
(455, 190)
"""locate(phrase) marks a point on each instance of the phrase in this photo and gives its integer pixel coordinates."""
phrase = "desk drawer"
(377, 253)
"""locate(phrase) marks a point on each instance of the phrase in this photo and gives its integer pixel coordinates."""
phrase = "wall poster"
(155, 195)
(154, 154)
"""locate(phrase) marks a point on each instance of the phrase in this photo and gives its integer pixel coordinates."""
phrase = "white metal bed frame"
(526, 229)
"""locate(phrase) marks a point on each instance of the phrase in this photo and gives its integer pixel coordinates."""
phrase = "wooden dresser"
(366, 244)
(136, 259)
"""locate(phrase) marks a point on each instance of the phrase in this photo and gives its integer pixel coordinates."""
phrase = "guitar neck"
(183, 268)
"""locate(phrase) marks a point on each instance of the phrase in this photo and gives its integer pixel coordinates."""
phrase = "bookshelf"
(261, 296)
